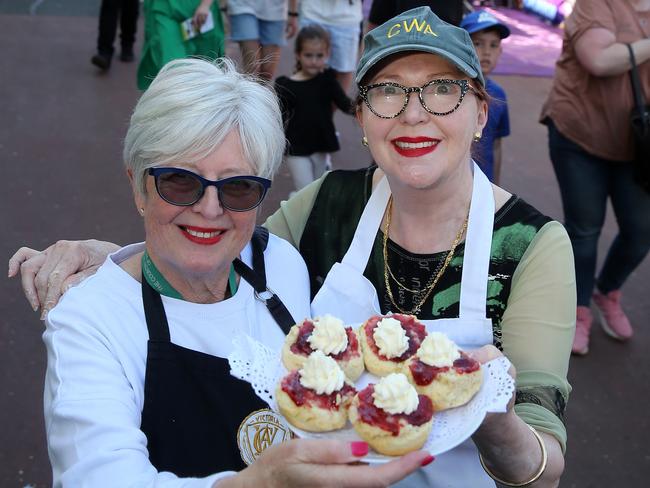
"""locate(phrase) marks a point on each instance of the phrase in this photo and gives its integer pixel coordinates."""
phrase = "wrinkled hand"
(484, 355)
(200, 16)
(323, 463)
(46, 275)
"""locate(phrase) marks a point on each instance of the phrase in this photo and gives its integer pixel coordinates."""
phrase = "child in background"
(306, 98)
(486, 33)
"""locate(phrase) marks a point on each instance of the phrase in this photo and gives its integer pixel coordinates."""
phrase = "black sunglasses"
(184, 188)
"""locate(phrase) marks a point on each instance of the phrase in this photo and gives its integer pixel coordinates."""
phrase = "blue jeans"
(586, 181)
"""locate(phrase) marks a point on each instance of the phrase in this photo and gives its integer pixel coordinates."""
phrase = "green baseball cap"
(420, 30)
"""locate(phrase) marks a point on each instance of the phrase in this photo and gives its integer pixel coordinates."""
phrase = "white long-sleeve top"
(332, 12)
(96, 341)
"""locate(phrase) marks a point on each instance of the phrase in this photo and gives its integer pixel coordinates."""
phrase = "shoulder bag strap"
(256, 277)
(639, 100)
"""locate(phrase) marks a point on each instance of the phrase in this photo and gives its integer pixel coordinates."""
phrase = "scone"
(391, 417)
(388, 341)
(317, 397)
(328, 335)
(442, 372)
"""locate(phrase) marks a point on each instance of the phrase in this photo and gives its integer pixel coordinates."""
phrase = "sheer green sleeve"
(538, 327)
(289, 220)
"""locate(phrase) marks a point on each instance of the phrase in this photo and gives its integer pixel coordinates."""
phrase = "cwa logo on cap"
(407, 26)
(420, 30)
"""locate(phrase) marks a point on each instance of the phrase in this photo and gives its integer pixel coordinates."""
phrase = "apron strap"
(364, 237)
(478, 247)
(256, 277)
(154, 313)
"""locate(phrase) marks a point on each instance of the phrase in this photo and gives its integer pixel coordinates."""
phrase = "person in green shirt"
(164, 39)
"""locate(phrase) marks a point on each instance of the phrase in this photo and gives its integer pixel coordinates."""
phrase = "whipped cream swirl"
(438, 350)
(390, 337)
(321, 374)
(395, 394)
(329, 335)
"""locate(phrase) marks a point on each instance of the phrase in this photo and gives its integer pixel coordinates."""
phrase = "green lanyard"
(162, 286)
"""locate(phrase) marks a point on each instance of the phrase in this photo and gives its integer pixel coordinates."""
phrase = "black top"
(333, 221)
(307, 112)
(448, 10)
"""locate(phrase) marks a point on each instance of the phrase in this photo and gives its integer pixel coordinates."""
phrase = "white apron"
(349, 295)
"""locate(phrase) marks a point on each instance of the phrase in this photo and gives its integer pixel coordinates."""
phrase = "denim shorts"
(247, 27)
(345, 45)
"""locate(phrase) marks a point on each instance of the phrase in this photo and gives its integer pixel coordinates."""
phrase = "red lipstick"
(413, 147)
(202, 235)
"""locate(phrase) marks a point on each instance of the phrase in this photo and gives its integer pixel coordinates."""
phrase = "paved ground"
(60, 136)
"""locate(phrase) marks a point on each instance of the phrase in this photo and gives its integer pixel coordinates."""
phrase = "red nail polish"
(359, 448)
(427, 460)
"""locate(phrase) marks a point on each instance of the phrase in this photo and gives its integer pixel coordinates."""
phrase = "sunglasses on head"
(181, 187)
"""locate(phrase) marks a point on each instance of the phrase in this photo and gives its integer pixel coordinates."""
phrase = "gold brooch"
(260, 430)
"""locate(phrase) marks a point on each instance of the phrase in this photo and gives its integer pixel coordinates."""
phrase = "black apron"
(193, 407)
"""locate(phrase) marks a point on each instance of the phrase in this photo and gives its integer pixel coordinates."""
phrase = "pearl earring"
(364, 141)
(477, 136)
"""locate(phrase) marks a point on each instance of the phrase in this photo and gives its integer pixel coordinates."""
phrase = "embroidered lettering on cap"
(423, 27)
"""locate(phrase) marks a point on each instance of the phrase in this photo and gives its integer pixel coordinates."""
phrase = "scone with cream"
(316, 397)
(328, 335)
(391, 417)
(442, 372)
(388, 341)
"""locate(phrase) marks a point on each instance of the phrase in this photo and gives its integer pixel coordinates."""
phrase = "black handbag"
(640, 118)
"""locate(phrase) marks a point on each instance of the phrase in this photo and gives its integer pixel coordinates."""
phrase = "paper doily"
(255, 363)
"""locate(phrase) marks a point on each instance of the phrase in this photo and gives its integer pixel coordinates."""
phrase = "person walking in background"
(109, 12)
(486, 33)
(261, 27)
(592, 149)
(165, 40)
(342, 19)
(306, 99)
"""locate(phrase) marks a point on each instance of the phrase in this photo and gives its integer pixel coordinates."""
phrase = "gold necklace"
(387, 265)
(426, 291)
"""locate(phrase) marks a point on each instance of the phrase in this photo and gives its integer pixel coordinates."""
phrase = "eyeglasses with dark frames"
(184, 188)
(438, 97)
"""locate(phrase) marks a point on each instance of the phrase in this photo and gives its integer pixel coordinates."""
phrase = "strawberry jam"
(377, 417)
(303, 348)
(306, 396)
(423, 374)
(415, 331)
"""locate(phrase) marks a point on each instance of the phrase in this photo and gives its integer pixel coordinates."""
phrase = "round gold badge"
(259, 430)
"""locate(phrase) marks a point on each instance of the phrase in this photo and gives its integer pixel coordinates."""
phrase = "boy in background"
(487, 32)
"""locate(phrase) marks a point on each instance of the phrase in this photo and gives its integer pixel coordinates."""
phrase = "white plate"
(450, 427)
(253, 362)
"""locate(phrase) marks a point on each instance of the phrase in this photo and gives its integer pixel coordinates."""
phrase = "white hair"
(191, 106)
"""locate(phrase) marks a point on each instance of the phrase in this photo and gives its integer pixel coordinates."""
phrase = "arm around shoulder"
(288, 222)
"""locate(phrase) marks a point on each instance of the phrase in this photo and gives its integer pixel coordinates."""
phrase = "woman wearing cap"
(425, 233)
(138, 391)
(591, 146)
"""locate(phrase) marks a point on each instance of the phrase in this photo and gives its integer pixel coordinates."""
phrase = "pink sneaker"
(583, 325)
(612, 318)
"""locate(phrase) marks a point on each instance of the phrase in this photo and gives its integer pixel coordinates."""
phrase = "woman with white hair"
(138, 390)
